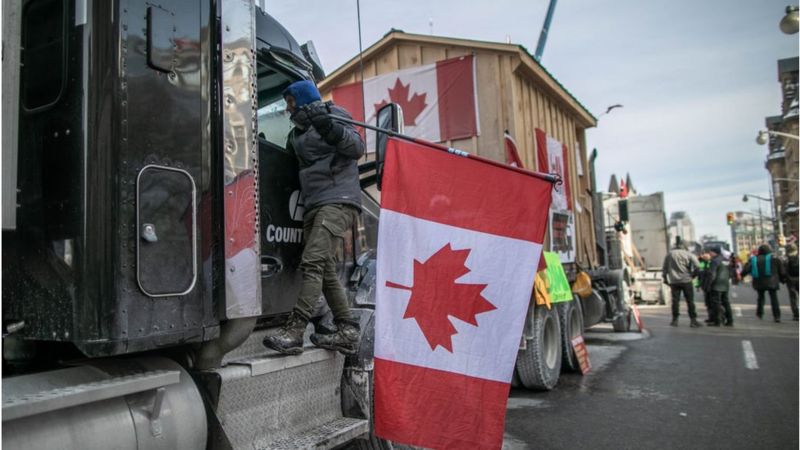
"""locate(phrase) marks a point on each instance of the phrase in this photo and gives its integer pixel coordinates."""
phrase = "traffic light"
(730, 218)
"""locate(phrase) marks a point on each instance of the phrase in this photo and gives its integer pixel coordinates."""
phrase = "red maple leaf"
(435, 295)
(411, 107)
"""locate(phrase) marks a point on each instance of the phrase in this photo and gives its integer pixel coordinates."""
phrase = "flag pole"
(550, 177)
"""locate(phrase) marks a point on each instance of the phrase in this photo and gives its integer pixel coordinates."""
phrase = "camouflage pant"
(324, 229)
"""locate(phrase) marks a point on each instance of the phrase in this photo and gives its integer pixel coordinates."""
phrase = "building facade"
(748, 231)
(782, 158)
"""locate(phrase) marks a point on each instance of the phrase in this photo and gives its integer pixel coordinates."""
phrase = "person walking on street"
(767, 272)
(792, 277)
(717, 284)
(680, 267)
(327, 152)
(700, 282)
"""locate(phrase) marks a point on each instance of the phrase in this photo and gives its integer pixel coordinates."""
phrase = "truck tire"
(571, 318)
(622, 321)
(369, 441)
(539, 365)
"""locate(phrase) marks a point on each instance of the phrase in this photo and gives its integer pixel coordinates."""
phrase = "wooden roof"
(527, 66)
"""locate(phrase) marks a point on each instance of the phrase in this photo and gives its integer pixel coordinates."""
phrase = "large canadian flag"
(458, 248)
(439, 100)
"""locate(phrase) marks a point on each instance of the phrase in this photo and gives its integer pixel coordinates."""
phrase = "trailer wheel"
(622, 322)
(539, 366)
(369, 441)
(571, 318)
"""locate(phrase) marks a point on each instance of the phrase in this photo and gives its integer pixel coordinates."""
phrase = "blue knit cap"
(304, 92)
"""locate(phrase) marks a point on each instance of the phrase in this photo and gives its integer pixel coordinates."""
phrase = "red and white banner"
(439, 100)
(457, 256)
(552, 157)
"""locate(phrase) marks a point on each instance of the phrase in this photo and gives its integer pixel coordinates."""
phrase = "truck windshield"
(273, 119)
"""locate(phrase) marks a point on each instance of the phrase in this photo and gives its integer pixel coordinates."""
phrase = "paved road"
(679, 388)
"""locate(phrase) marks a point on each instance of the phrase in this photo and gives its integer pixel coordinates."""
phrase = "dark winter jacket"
(718, 276)
(792, 269)
(328, 173)
(764, 282)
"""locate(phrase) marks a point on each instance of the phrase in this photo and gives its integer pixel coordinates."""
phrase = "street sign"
(582, 353)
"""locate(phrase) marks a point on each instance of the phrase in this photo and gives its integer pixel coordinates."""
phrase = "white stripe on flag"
(507, 266)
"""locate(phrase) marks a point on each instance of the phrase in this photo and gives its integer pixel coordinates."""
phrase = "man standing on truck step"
(680, 266)
(327, 152)
(716, 285)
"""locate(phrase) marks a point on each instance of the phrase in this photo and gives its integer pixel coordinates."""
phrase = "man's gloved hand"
(330, 130)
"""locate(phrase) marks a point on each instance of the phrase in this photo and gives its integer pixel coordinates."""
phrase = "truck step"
(325, 436)
(267, 401)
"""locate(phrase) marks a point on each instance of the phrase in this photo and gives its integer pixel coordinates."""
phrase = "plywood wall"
(508, 98)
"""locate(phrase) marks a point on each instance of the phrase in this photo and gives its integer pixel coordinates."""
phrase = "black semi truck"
(152, 232)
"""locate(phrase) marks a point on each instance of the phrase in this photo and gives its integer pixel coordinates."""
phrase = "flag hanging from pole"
(458, 248)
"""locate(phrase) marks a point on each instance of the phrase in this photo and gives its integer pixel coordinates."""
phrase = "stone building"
(782, 159)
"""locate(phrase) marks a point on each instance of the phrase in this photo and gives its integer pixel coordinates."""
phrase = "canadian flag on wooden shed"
(439, 100)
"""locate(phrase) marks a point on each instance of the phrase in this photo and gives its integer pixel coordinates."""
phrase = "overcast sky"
(696, 78)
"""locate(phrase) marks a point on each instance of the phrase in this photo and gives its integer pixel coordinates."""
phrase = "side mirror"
(390, 117)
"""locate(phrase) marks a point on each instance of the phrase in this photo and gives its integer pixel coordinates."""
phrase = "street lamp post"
(789, 23)
(763, 136)
(760, 215)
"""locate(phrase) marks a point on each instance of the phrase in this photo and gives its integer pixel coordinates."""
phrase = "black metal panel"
(161, 39)
(70, 269)
(163, 120)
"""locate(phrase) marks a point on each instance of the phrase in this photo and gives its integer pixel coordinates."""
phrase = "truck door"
(280, 199)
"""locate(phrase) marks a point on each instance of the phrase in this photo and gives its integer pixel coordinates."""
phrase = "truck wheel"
(539, 366)
(571, 318)
(370, 441)
(622, 323)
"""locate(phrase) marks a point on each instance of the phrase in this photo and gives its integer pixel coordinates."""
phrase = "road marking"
(738, 311)
(750, 360)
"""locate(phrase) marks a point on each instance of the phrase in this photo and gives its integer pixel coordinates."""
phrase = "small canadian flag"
(438, 100)
(457, 256)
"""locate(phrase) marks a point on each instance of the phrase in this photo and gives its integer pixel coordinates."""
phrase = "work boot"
(777, 320)
(289, 338)
(674, 323)
(695, 324)
(345, 340)
(729, 324)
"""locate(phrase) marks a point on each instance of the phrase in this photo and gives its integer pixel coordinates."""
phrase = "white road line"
(738, 311)
(750, 360)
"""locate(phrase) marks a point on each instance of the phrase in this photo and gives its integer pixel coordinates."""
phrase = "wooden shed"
(515, 93)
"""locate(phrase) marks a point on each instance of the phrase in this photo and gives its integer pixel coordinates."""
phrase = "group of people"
(713, 273)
